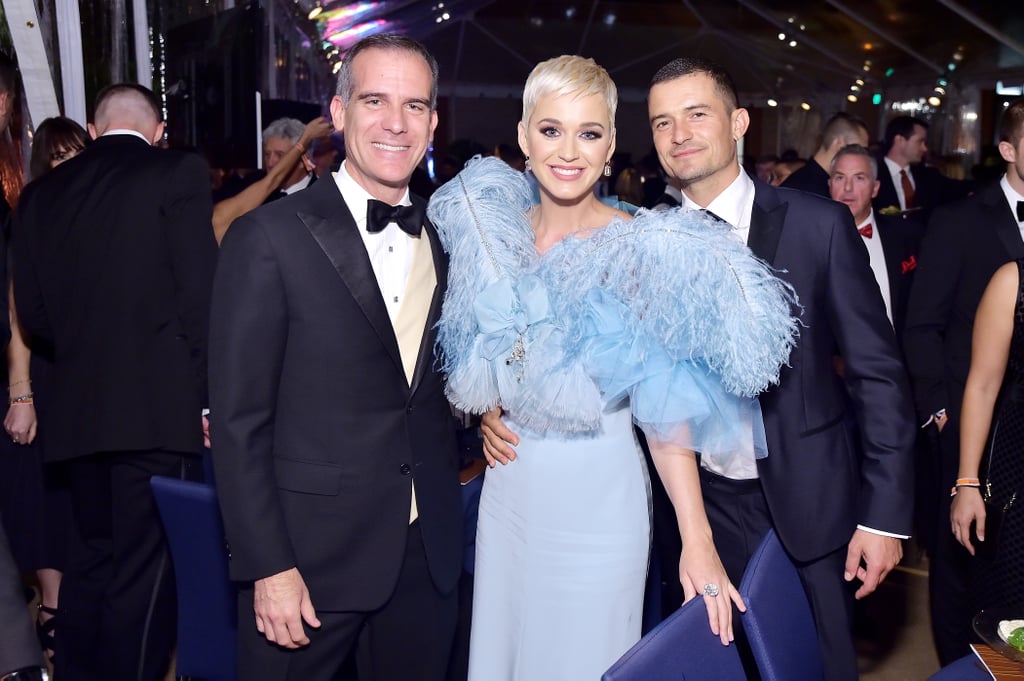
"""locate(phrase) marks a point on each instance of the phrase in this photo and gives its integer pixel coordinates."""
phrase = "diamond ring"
(711, 590)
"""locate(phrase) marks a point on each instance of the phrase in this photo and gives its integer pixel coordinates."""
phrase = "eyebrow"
(691, 107)
(555, 121)
(380, 95)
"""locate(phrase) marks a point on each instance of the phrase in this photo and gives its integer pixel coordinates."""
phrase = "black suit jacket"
(900, 264)
(317, 435)
(967, 242)
(810, 178)
(817, 485)
(931, 189)
(113, 264)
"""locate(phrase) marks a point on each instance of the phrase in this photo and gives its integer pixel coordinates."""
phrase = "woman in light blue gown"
(578, 321)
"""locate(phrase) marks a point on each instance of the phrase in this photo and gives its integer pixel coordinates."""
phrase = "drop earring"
(528, 166)
(607, 169)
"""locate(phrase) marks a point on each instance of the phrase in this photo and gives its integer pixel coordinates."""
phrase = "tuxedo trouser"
(949, 567)
(117, 597)
(409, 638)
(19, 647)
(739, 517)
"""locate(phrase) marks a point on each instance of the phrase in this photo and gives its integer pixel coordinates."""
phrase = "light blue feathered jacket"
(666, 310)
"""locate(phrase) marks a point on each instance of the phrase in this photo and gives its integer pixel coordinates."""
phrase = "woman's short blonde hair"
(569, 75)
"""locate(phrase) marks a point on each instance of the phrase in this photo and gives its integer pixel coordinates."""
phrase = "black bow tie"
(1020, 211)
(379, 215)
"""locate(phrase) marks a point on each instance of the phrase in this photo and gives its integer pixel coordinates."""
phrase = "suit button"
(404, 468)
(408, 410)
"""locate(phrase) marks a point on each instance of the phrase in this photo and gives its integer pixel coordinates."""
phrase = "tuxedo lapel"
(766, 222)
(331, 225)
(1003, 221)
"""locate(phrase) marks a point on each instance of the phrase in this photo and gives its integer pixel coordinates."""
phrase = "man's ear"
(158, 134)
(1008, 152)
(92, 130)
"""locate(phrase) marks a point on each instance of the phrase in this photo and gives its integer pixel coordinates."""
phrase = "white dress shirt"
(894, 172)
(1012, 197)
(300, 185)
(877, 255)
(390, 250)
(127, 131)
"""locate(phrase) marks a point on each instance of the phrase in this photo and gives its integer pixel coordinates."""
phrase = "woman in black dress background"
(35, 504)
(996, 378)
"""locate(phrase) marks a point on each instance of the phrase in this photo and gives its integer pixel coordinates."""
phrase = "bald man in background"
(113, 265)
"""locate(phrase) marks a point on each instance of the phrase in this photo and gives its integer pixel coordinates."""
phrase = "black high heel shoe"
(44, 630)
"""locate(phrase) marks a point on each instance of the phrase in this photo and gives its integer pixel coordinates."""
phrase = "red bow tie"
(866, 231)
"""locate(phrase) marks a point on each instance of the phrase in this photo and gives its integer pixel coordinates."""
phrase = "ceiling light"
(805, 106)
(934, 101)
(772, 102)
(851, 97)
(609, 19)
(782, 36)
(792, 43)
(940, 90)
(315, 12)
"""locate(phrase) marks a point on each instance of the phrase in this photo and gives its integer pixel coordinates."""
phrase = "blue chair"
(207, 614)
(967, 668)
(682, 648)
(778, 621)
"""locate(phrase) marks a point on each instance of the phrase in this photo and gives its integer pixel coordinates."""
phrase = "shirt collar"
(894, 167)
(356, 197)
(301, 184)
(733, 204)
(870, 220)
(1012, 197)
(127, 131)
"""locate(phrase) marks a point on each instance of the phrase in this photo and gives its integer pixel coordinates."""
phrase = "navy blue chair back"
(682, 648)
(207, 604)
(778, 620)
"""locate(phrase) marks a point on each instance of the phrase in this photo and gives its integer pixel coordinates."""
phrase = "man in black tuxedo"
(967, 242)
(839, 513)
(333, 443)
(114, 259)
(853, 181)
(841, 130)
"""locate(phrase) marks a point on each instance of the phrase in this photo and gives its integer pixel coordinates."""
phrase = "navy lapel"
(425, 359)
(330, 223)
(766, 222)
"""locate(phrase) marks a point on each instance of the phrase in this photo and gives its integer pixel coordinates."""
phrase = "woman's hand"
(968, 507)
(700, 567)
(497, 439)
(20, 422)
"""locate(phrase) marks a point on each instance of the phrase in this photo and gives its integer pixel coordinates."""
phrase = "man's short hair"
(119, 89)
(286, 128)
(1011, 123)
(384, 41)
(902, 126)
(842, 126)
(688, 66)
(855, 150)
